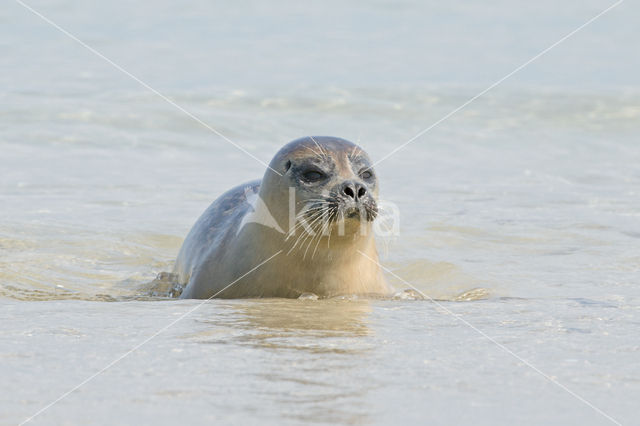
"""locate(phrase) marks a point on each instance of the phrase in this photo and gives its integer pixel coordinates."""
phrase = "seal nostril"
(361, 192)
(349, 192)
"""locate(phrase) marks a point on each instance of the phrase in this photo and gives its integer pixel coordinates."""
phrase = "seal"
(306, 227)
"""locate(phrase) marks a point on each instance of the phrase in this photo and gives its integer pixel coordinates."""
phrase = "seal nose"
(354, 190)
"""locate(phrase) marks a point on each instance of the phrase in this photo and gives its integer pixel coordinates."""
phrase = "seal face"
(336, 181)
(307, 224)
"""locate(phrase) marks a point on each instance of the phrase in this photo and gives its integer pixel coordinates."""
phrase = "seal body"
(304, 228)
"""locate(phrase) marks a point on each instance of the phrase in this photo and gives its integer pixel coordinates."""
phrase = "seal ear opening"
(287, 166)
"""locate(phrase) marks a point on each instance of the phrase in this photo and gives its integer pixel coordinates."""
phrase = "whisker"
(316, 153)
(302, 223)
(319, 239)
(326, 226)
(353, 151)
(311, 242)
(307, 234)
(324, 153)
(299, 222)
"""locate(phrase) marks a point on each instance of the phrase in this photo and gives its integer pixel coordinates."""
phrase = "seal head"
(334, 184)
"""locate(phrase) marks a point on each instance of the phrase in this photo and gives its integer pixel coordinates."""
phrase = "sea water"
(528, 198)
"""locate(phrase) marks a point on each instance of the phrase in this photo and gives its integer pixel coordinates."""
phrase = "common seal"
(306, 227)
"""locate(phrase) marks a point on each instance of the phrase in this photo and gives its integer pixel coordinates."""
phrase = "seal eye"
(366, 174)
(312, 175)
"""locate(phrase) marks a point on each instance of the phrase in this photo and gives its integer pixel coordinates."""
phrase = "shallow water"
(529, 193)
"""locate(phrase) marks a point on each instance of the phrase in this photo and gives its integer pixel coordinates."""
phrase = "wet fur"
(215, 254)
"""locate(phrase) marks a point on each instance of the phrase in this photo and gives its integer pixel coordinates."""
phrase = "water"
(530, 193)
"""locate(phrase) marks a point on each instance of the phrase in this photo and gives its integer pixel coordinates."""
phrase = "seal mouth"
(321, 214)
(366, 210)
(352, 213)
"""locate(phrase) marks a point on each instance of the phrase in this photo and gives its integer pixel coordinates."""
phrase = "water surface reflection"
(308, 358)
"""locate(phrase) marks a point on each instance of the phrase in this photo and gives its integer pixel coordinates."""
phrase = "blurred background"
(531, 193)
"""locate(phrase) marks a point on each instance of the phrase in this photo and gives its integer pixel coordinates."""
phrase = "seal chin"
(352, 213)
(365, 212)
